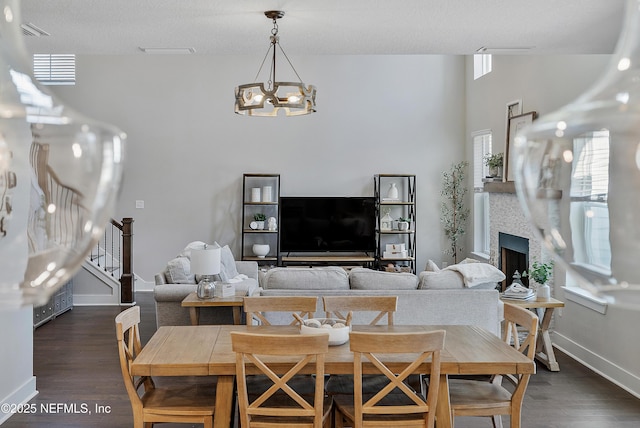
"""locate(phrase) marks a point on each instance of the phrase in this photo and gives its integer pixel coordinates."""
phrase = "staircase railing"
(113, 253)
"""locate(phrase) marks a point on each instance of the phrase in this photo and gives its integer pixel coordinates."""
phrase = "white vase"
(393, 191)
(261, 250)
(543, 292)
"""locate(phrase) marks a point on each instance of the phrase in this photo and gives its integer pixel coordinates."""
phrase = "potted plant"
(454, 212)
(494, 162)
(541, 273)
(403, 223)
(260, 218)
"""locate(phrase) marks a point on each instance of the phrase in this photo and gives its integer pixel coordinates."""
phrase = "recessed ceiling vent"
(31, 30)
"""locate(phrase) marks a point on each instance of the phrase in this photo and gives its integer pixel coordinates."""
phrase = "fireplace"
(514, 255)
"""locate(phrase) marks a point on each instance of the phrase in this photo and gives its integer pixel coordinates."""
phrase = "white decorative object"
(403, 225)
(225, 289)
(255, 194)
(272, 224)
(392, 194)
(395, 247)
(260, 250)
(337, 329)
(386, 222)
(267, 194)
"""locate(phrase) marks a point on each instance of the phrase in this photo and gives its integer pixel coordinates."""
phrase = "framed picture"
(514, 125)
(514, 108)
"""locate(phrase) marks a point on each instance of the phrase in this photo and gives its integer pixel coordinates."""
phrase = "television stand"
(362, 260)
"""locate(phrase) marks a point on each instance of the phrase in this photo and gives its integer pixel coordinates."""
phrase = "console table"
(544, 348)
(329, 260)
(194, 304)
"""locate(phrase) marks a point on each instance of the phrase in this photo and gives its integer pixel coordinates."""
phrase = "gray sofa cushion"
(368, 279)
(323, 278)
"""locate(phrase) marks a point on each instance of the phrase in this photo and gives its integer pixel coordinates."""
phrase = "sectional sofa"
(429, 298)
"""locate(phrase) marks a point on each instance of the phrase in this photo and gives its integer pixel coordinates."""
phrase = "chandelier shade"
(272, 97)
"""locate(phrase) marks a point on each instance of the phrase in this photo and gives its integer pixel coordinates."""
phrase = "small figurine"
(272, 223)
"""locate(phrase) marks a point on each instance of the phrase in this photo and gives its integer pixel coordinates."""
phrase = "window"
(481, 235)
(55, 69)
(589, 210)
(481, 65)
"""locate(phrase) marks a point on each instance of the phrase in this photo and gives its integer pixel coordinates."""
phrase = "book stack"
(517, 291)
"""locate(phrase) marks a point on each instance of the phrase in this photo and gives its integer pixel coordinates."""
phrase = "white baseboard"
(605, 368)
(20, 396)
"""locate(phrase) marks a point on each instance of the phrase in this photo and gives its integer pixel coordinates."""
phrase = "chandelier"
(268, 99)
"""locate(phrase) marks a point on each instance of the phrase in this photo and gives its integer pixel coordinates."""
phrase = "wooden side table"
(544, 349)
(194, 304)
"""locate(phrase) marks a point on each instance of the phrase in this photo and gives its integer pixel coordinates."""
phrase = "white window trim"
(584, 298)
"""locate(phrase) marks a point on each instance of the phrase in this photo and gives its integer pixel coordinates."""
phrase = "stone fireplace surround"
(506, 216)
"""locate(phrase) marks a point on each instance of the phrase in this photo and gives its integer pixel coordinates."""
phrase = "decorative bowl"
(337, 329)
(260, 250)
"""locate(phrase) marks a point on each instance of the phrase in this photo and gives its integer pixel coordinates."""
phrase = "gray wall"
(187, 149)
(545, 83)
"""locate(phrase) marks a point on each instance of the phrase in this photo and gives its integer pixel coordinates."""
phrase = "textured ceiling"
(327, 27)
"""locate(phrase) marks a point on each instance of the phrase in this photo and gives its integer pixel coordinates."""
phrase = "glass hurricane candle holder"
(59, 176)
(578, 177)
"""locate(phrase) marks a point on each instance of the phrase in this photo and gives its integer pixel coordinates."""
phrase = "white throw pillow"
(431, 266)
(179, 271)
(228, 268)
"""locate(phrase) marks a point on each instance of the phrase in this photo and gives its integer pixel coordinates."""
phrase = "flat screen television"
(327, 224)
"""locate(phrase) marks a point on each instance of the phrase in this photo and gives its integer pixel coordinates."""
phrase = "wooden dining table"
(206, 350)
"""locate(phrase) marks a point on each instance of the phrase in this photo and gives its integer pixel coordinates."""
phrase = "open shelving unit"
(260, 194)
(388, 231)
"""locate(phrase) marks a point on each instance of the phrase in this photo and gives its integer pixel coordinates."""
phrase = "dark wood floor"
(76, 362)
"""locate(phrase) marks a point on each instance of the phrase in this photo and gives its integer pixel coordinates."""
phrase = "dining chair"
(395, 404)
(280, 404)
(490, 398)
(193, 403)
(340, 306)
(257, 307)
(260, 308)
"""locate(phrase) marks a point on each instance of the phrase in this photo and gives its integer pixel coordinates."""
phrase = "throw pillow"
(179, 271)
(228, 268)
(431, 266)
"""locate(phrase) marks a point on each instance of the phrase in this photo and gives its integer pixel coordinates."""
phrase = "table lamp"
(206, 263)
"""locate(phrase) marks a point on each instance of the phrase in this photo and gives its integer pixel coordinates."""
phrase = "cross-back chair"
(280, 404)
(256, 307)
(382, 308)
(340, 306)
(395, 404)
(193, 403)
(482, 398)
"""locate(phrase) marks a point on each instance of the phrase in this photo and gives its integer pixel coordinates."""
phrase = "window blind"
(55, 69)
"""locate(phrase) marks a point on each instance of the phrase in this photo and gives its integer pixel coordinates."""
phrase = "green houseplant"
(403, 223)
(259, 218)
(495, 163)
(454, 212)
(541, 273)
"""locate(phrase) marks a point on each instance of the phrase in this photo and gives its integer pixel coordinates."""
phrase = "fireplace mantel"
(500, 187)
